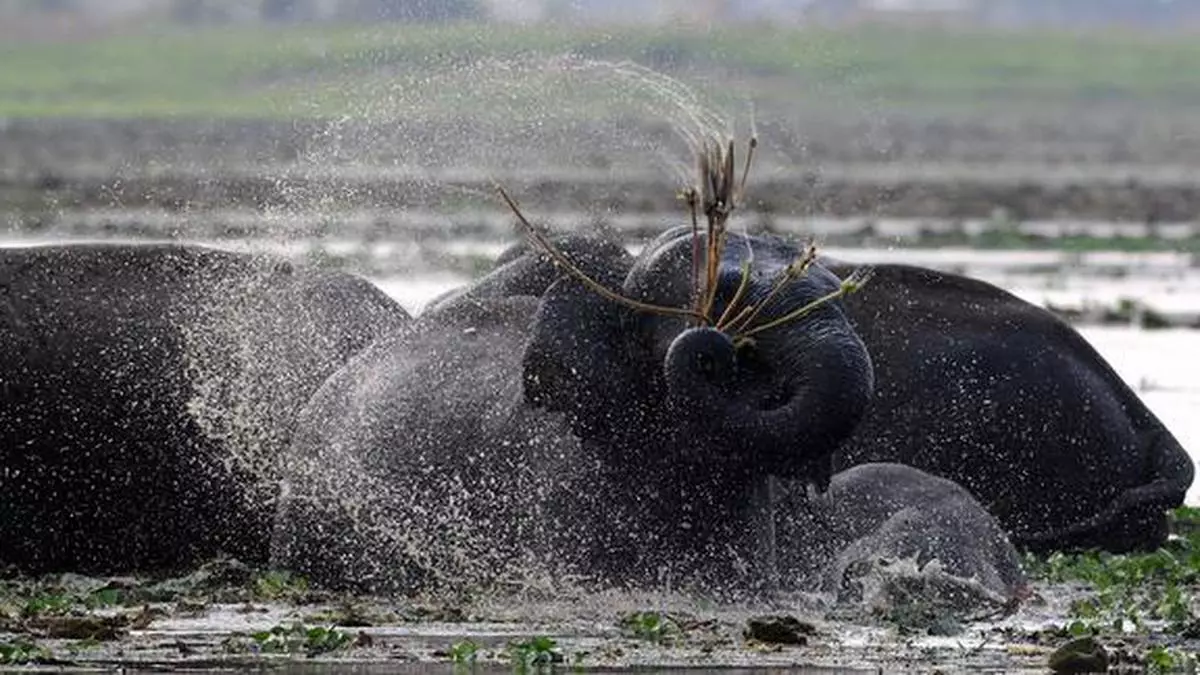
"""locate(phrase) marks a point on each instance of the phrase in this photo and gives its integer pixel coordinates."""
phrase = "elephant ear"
(577, 360)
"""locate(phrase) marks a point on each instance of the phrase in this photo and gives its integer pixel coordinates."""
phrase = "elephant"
(529, 428)
(881, 514)
(147, 390)
(973, 384)
(1004, 398)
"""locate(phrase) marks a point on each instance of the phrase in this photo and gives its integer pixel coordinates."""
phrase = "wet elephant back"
(95, 389)
(159, 379)
(418, 464)
(975, 385)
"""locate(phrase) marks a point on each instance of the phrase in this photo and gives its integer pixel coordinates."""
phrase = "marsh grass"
(273, 72)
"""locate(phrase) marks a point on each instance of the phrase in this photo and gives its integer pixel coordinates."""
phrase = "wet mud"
(225, 616)
(819, 166)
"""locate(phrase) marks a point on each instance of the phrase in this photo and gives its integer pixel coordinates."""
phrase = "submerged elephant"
(978, 386)
(515, 433)
(145, 391)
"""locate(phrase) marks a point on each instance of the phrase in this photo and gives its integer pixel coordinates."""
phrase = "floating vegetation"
(295, 638)
(655, 627)
(21, 651)
(464, 652)
(537, 654)
(1148, 597)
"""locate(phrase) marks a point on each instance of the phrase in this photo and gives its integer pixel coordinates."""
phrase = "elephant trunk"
(787, 419)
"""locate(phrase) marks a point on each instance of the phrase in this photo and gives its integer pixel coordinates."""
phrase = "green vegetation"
(652, 626)
(298, 638)
(280, 585)
(20, 651)
(1151, 595)
(414, 71)
(464, 653)
(537, 654)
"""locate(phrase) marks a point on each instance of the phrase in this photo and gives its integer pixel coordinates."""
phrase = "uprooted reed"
(716, 197)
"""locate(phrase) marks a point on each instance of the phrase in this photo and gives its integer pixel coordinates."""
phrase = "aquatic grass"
(58, 600)
(795, 270)
(464, 653)
(48, 603)
(1163, 659)
(719, 193)
(279, 584)
(851, 284)
(270, 71)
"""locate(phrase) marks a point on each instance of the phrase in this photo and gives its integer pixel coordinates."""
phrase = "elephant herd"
(166, 403)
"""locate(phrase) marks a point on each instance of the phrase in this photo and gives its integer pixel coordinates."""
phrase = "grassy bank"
(339, 70)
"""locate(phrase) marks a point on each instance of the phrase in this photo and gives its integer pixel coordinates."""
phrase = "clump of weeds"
(537, 654)
(464, 653)
(290, 639)
(21, 651)
(276, 585)
(653, 627)
(1149, 598)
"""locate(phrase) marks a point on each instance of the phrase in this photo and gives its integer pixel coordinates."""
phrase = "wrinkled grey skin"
(978, 386)
(519, 431)
(146, 391)
(891, 512)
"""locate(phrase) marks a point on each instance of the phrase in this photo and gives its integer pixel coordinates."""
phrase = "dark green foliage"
(1129, 593)
(537, 654)
(651, 626)
(312, 641)
(20, 651)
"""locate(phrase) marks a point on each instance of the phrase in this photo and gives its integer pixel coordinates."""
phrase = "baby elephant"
(528, 428)
(892, 524)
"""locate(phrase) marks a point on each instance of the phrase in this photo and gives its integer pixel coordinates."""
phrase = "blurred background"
(1049, 146)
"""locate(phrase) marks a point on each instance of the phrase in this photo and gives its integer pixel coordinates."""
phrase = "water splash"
(518, 120)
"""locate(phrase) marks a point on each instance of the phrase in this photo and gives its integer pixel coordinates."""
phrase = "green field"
(430, 70)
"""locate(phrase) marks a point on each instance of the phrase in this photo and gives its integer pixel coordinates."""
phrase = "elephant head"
(767, 395)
